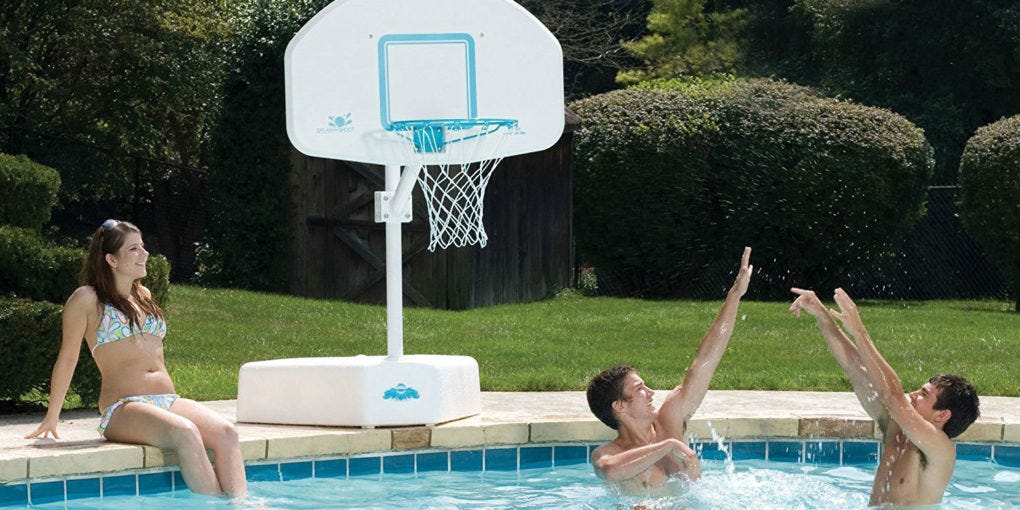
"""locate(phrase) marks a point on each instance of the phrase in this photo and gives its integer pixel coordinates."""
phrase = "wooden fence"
(339, 251)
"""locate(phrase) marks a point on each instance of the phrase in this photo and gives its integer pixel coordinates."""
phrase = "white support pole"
(394, 275)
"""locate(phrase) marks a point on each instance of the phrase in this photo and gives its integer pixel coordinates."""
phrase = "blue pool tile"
(47, 492)
(744, 450)
(982, 452)
(295, 470)
(82, 488)
(434, 461)
(785, 451)
(335, 468)
(818, 452)
(11, 495)
(365, 466)
(1007, 455)
(122, 485)
(860, 452)
(567, 455)
(466, 460)
(501, 459)
(154, 483)
(262, 473)
(179, 484)
(398, 464)
(711, 451)
(536, 457)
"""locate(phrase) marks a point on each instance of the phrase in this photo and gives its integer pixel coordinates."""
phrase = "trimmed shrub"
(30, 338)
(990, 196)
(28, 191)
(673, 178)
(31, 269)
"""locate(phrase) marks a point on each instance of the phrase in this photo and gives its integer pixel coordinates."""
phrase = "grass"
(559, 343)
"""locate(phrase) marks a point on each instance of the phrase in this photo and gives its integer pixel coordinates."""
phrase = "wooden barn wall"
(338, 250)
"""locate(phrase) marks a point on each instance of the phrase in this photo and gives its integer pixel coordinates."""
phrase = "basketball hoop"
(455, 188)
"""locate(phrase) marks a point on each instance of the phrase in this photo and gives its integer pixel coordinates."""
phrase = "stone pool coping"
(506, 419)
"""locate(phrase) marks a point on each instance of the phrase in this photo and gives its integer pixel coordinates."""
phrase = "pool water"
(745, 484)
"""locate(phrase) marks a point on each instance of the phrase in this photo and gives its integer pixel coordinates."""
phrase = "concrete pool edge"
(507, 419)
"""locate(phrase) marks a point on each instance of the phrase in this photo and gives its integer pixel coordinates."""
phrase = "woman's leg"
(221, 437)
(141, 423)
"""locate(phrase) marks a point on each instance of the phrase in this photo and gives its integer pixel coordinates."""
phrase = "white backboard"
(360, 65)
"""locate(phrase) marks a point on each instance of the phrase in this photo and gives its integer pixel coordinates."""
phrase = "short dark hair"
(604, 389)
(959, 396)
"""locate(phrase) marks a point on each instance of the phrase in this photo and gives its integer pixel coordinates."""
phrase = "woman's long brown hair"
(108, 238)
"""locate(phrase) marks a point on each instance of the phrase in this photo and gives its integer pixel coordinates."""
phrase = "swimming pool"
(766, 474)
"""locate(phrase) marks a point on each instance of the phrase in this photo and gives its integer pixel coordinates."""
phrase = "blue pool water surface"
(743, 484)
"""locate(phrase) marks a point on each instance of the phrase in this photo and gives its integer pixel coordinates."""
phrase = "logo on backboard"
(400, 392)
(337, 124)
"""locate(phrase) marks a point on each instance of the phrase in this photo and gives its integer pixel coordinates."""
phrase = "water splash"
(721, 445)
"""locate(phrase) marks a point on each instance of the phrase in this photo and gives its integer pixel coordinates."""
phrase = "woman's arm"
(75, 320)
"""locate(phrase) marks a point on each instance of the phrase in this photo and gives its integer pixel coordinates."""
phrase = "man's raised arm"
(683, 401)
(845, 352)
(935, 444)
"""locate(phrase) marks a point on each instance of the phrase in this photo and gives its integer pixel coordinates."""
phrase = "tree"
(687, 39)
(592, 33)
(97, 88)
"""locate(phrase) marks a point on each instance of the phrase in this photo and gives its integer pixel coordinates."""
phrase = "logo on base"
(400, 392)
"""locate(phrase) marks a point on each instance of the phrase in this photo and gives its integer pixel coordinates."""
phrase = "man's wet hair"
(604, 389)
(959, 396)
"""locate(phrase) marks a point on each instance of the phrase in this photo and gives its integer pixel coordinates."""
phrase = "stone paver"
(506, 419)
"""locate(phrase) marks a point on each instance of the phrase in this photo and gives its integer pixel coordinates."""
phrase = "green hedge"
(673, 178)
(28, 191)
(31, 269)
(30, 339)
(990, 196)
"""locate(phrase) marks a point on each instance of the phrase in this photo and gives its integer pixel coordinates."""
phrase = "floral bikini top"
(114, 325)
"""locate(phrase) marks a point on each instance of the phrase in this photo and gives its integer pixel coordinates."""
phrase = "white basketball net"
(455, 190)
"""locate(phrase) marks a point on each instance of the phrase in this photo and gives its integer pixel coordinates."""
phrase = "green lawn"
(559, 343)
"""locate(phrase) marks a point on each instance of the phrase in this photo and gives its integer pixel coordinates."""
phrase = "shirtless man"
(918, 455)
(651, 445)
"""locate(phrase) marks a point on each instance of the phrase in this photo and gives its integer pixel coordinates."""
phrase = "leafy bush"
(157, 279)
(28, 191)
(31, 269)
(673, 178)
(990, 195)
(30, 339)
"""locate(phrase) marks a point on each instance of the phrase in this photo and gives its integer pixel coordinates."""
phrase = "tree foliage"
(140, 77)
(592, 34)
(686, 39)
(949, 66)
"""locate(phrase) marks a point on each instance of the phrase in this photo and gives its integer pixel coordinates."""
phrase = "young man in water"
(650, 447)
(918, 454)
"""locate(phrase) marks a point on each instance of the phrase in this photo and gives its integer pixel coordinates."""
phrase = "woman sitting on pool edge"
(124, 328)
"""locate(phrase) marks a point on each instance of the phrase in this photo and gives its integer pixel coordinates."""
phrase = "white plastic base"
(359, 391)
